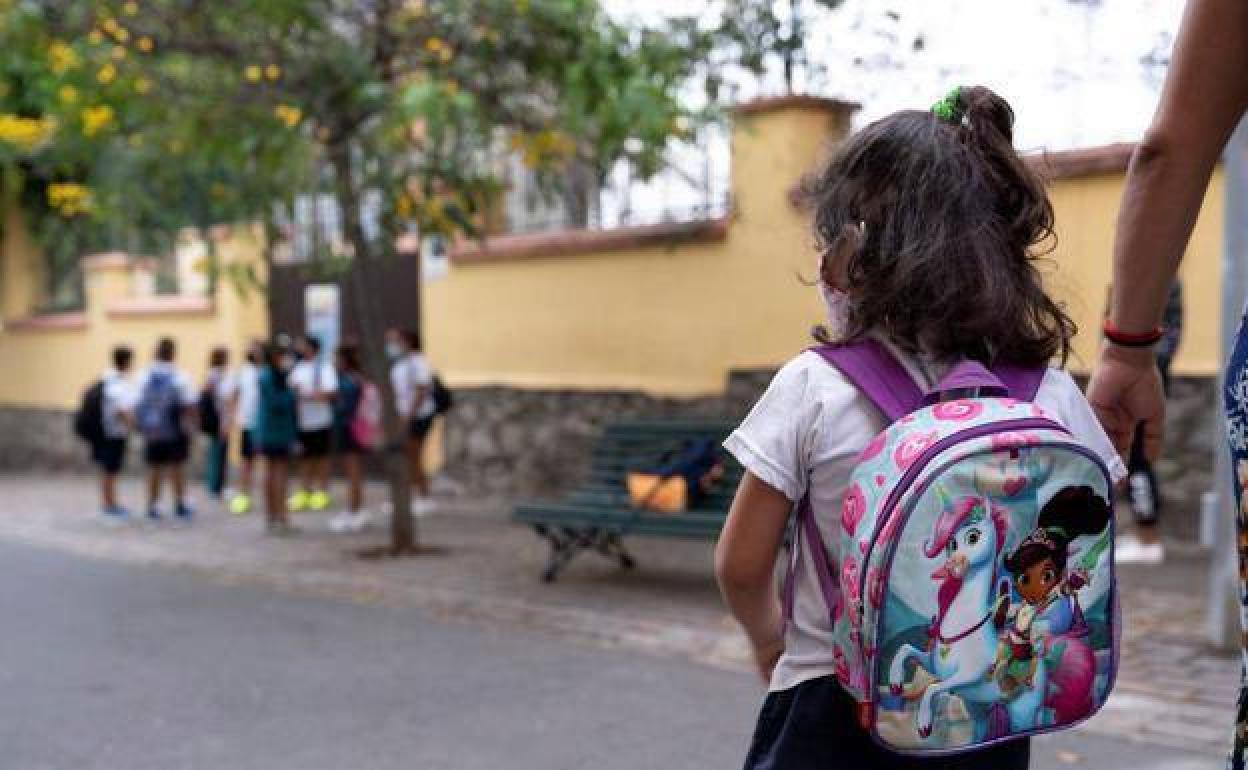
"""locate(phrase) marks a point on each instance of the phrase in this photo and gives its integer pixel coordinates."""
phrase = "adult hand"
(1125, 391)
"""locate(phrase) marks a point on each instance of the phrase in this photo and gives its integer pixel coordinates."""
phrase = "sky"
(1072, 69)
(1077, 72)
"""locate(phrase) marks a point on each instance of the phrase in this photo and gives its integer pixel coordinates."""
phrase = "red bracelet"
(1132, 339)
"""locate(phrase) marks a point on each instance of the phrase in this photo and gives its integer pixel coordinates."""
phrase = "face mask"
(394, 349)
(836, 307)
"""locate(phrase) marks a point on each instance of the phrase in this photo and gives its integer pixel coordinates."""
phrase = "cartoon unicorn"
(962, 647)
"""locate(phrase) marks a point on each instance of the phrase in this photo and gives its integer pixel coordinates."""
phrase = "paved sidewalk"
(1173, 690)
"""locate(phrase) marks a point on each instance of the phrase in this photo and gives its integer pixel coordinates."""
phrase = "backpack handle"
(967, 375)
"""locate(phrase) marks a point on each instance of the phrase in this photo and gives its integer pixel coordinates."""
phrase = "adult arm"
(1204, 96)
(745, 563)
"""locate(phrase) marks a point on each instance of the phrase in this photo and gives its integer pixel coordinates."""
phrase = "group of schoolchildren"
(288, 406)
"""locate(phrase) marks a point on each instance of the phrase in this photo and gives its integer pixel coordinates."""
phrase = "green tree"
(401, 104)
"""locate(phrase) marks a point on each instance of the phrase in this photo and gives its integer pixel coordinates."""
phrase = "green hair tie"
(949, 109)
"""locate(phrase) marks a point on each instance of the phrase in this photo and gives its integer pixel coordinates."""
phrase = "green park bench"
(597, 515)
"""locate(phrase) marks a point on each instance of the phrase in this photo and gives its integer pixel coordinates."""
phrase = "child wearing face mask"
(928, 224)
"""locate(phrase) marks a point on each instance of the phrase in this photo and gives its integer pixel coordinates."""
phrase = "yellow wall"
(675, 320)
(47, 367)
(1086, 209)
(670, 319)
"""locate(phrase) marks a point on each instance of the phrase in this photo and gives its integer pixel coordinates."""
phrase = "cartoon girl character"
(1050, 606)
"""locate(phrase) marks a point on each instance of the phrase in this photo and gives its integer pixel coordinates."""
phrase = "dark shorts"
(419, 427)
(344, 441)
(172, 452)
(109, 454)
(814, 726)
(315, 443)
(248, 448)
(276, 451)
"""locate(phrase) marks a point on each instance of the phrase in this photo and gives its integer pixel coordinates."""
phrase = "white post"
(1223, 611)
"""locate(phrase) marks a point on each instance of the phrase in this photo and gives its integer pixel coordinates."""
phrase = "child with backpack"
(357, 431)
(103, 421)
(166, 402)
(915, 449)
(275, 433)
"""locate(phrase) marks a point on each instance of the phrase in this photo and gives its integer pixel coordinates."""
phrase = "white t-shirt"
(309, 378)
(119, 397)
(248, 387)
(224, 385)
(408, 375)
(812, 423)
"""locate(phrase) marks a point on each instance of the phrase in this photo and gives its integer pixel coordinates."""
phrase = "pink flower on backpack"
(1011, 439)
(913, 446)
(849, 584)
(959, 410)
(842, 665)
(852, 509)
(875, 587)
(873, 449)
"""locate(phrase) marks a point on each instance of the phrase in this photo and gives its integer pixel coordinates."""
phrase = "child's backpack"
(365, 424)
(89, 419)
(209, 413)
(970, 576)
(443, 399)
(158, 414)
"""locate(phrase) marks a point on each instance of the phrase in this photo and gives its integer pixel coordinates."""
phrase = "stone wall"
(536, 442)
(39, 439)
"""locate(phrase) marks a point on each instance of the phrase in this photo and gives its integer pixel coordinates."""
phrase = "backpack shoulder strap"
(877, 373)
(1023, 381)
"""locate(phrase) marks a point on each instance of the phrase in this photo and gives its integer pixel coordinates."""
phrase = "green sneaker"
(298, 501)
(319, 500)
(240, 504)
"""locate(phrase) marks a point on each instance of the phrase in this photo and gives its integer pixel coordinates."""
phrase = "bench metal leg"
(567, 542)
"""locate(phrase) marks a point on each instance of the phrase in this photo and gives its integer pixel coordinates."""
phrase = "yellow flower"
(272, 72)
(107, 74)
(68, 94)
(25, 133)
(433, 45)
(403, 206)
(253, 73)
(142, 85)
(121, 34)
(62, 57)
(110, 26)
(119, 52)
(288, 114)
(452, 87)
(176, 146)
(145, 44)
(69, 198)
(96, 119)
(130, 9)
(95, 37)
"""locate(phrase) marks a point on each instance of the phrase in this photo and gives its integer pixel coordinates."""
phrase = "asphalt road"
(111, 666)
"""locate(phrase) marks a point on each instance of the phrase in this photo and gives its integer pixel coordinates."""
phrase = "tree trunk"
(373, 321)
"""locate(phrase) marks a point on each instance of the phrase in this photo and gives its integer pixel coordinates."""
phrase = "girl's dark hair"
(218, 357)
(1071, 513)
(952, 221)
(349, 353)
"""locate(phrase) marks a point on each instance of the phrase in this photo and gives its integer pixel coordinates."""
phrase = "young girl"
(350, 394)
(927, 222)
(276, 431)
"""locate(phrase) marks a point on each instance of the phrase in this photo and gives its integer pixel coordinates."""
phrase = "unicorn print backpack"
(970, 578)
